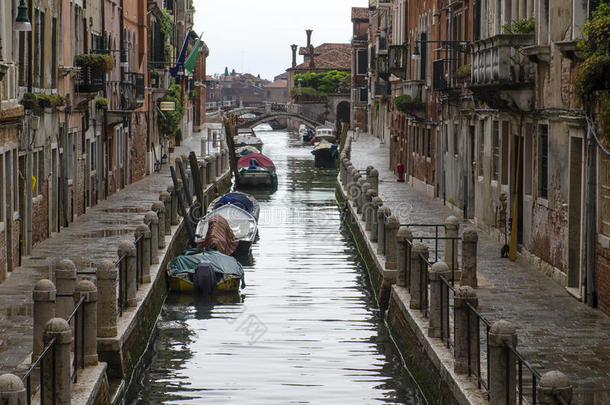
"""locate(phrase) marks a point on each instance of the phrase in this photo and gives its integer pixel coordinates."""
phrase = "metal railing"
(79, 332)
(48, 351)
(121, 265)
(475, 369)
(445, 311)
(521, 362)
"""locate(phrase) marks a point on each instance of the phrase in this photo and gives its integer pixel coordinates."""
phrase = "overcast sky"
(255, 36)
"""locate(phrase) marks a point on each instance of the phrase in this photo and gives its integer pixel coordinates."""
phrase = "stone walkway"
(92, 237)
(556, 332)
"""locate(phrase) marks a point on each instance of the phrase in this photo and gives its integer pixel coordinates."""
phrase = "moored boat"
(244, 150)
(241, 223)
(207, 271)
(255, 169)
(325, 133)
(239, 199)
(245, 137)
(325, 154)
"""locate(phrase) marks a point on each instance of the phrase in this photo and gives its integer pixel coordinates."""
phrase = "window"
(2, 208)
(42, 59)
(22, 67)
(495, 150)
(361, 62)
(481, 150)
(544, 160)
(40, 174)
(527, 160)
(505, 154)
(429, 146)
(92, 156)
(604, 194)
(36, 46)
(364, 96)
(54, 53)
(446, 137)
(455, 138)
(15, 181)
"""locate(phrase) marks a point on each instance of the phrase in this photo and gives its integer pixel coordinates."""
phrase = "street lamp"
(416, 55)
(22, 22)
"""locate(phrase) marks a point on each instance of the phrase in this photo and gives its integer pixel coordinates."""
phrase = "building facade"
(77, 110)
(484, 114)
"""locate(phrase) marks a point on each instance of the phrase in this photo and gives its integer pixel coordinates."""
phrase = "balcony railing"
(383, 66)
(415, 88)
(497, 61)
(381, 88)
(89, 80)
(398, 60)
(128, 93)
(382, 44)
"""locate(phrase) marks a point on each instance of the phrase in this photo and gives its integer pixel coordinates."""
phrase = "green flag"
(189, 65)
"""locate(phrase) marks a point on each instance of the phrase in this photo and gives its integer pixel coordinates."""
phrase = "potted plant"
(29, 101)
(101, 103)
(463, 73)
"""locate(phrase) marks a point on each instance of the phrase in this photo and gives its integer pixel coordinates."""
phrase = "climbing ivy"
(166, 24)
(169, 121)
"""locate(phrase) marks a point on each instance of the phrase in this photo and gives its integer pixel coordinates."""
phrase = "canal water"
(306, 328)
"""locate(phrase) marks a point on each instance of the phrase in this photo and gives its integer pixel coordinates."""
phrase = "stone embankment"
(90, 319)
(425, 275)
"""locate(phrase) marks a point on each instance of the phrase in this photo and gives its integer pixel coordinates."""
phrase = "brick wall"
(602, 278)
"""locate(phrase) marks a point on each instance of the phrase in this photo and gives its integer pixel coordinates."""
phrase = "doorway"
(575, 212)
(517, 192)
(472, 172)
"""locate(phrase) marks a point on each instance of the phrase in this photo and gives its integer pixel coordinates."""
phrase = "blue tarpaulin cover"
(237, 199)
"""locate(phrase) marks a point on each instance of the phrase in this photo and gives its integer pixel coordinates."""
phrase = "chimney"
(294, 55)
(308, 37)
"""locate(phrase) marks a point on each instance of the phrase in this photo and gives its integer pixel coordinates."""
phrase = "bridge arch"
(270, 116)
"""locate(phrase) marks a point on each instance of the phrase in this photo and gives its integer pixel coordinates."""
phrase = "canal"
(306, 328)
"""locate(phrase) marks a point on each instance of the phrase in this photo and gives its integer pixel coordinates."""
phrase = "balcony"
(398, 60)
(381, 88)
(416, 89)
(383, 66)
(501, 74)
(89, 80)
(382, 44)
(128, 93)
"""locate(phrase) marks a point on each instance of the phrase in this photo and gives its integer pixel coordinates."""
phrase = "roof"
(281, 83)
(330, 56)
(360, 13)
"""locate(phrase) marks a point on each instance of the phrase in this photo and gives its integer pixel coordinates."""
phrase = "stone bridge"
(265, 116)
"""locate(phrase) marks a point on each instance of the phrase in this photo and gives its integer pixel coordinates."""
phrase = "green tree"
(226, 71)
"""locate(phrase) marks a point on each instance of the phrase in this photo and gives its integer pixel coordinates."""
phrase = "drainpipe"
(590, 291)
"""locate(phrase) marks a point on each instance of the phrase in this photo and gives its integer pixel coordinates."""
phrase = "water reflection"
(305, 329)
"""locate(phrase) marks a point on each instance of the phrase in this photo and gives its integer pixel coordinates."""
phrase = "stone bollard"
(151, 218)
(167, 202)
(502, 361)
(465, 295)
(382, 214)
(368, 209)
(368, 169)
(348, 178)
(404, 233)
(208, 170)
(351, 182)
(359, 193)
(143, 231)
(174, 205)
(159, 208)
(87, 289)
(391, 229)
(107, 282)
(552, 384)
(452, 228)
(212, 168)
(377, 204)
(437, 316)
(59, 329)
(204, 146)
(203, 169)
(128, 249)
(418, 277)
(470, 239)
(65, 280)
(12, 390)
(44, 310)
(363, 200)
(373, 179)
